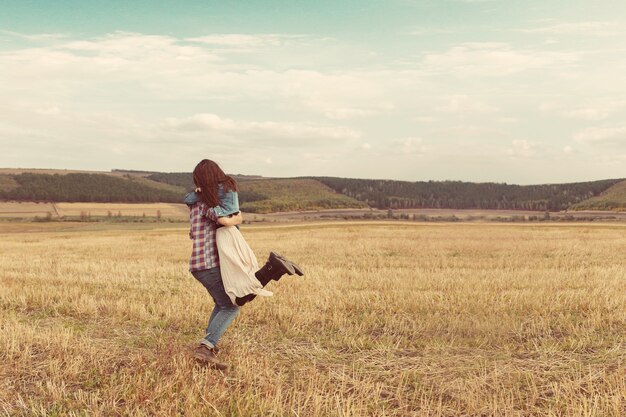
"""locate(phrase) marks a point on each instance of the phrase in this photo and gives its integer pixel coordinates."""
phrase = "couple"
(221, 260)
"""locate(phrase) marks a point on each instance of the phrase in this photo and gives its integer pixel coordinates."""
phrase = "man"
(204, 266)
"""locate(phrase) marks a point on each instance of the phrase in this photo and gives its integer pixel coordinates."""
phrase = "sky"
(522, 92)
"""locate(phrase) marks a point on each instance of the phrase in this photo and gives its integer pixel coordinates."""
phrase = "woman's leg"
(224, 311)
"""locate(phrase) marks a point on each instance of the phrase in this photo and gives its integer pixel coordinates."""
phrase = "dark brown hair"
(207, 176)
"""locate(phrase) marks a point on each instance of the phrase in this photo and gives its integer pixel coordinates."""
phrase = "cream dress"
(238, 264)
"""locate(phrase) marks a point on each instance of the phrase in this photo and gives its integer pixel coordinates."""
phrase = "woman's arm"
(232, 220)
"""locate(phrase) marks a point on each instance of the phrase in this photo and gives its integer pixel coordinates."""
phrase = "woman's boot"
(275, 267)
(296, 268)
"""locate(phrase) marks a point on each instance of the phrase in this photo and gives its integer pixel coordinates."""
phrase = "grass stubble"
(390, 320)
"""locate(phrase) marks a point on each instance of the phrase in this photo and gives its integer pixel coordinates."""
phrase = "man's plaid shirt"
(202, 220)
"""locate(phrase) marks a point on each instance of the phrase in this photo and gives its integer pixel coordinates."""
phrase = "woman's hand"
(232, 220)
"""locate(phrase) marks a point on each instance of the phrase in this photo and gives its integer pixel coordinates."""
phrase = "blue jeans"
(224, 311)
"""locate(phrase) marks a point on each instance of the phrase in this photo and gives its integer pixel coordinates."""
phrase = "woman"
(216, 243)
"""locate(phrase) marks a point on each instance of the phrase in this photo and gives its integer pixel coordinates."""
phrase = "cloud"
(525, 149)
(128, 47)
(166, 68)
(592, 28)
(70, 66)
(136, 98)
(49, 110)
(468, 131)
(606, 135)
(463, 104)
(590, 114)
(239, 40)
(494, 59)
(408, 146)
(615, 159)
(340, 95)
(425, 119)
(268, 132)
(418, 31)
(597, 110)
(39, 37)
(9, 132)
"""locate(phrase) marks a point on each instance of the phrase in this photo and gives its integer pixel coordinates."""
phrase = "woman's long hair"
(207, 176)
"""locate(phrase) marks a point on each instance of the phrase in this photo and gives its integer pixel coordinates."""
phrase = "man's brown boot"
(205, 354)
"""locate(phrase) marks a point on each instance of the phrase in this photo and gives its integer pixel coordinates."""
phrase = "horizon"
(407, 90)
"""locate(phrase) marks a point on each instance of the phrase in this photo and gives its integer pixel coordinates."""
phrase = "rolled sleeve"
(208, 212)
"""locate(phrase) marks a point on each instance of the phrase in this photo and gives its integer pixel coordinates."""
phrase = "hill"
(264, 195)
(81, 187)
(467, 195)
(613, 198)
(256, 195)
(291, 194)
(185, 180)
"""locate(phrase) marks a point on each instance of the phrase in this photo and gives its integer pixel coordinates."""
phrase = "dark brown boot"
(205, 354)
(277, 266)
(296, 268)
(274, 269)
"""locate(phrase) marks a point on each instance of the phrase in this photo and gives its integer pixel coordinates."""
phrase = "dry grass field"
(28, 210)
(391, 320)
(167, 210)
(15, 209)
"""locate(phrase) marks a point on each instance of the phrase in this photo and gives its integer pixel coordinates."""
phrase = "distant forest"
(311, 193)
(384, 194)
(85, 188)
(179, 179)
(185, 181)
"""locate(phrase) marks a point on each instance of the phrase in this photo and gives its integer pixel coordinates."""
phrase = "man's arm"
(208, 212)
(232, 220)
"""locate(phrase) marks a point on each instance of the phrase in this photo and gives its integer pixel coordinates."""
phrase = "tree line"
(384, 194)
(180, 179)
(185, 180)
(256, 195)
(79, 187)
